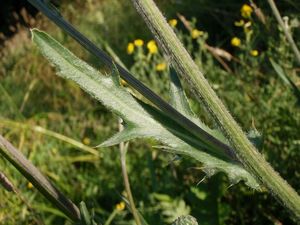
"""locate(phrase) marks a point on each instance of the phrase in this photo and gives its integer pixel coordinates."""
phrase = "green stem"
(185, 66)
(285, 29)
(123, 150)
(41, 130)
(111, 217)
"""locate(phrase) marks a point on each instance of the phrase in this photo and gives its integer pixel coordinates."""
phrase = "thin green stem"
(285, 29)
(186, 67)
(123, 150)
(111, 217)
(44, 131)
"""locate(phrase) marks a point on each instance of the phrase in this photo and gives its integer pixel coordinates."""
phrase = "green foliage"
(171, 208)
(141, 120)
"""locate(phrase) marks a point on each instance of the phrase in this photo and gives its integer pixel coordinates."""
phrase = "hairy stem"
(285, 29)
(185, 66)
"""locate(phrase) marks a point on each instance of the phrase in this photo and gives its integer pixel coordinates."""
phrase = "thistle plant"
(245, 151)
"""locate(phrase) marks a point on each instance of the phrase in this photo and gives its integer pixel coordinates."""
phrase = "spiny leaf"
(178, 97)
(124, 135)
(180, 102)
(141, 120)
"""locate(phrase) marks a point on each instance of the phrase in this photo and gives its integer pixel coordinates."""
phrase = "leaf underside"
(142, 120)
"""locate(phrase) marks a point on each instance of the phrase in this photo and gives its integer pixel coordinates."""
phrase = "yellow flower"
(239, 23)
(254, 52)
(246, 11)
(138, 42)
(152, 47)
(173, 22)
(29, 185)
(196, 33)
(120, 206)
(236, 42)
(86, 141)
(130, 48)
(161, 67)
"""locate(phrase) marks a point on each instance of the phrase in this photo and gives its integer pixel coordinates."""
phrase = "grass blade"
(280, 72)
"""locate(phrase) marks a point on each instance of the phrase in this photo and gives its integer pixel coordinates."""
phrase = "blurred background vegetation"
(232, 48)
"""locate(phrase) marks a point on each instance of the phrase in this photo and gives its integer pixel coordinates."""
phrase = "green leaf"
(280, 72)
(86, 218)
(178, 98)
(85, 215)
(141, 120)
(179, 101)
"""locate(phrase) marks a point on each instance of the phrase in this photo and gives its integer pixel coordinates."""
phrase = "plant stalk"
(285, 29)
(111, 217)
(44, 131)
(28, 170)
(123, 150)
(186, 67)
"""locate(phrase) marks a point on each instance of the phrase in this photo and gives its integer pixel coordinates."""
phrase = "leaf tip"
(34, 32)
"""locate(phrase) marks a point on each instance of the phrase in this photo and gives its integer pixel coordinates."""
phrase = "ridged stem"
(186, 67)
